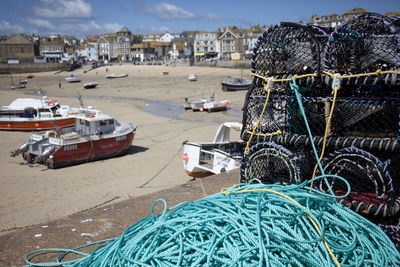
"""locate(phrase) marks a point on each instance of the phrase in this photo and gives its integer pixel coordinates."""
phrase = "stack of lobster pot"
(356, 130)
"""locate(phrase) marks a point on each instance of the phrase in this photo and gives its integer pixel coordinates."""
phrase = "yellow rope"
(259, 119)
(223, 191)
(326, 132)
(376, 73)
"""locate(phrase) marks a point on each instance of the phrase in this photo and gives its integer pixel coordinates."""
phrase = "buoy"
(9, 125)
(89, 116)
(185, 157)
(36, 125)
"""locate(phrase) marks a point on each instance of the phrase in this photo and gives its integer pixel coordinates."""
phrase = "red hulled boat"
(27, 114)
(95, 136)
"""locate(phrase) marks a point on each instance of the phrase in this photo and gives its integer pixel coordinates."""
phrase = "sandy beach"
(33, 194)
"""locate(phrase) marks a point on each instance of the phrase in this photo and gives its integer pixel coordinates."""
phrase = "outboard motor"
(45, 154)
(22, 149)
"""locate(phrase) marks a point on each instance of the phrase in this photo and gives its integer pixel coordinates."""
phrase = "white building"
(206, 44)
(105, 48)
(167, 38)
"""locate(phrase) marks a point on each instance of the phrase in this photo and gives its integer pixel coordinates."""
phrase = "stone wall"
(30, 67)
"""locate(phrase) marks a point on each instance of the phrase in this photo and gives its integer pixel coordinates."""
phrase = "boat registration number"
(70, 147)
(120, 138)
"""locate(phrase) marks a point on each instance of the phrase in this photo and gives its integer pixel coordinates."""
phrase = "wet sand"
(33, 194)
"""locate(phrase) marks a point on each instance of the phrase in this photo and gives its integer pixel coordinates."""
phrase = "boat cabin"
(35, 108)
(95, 124)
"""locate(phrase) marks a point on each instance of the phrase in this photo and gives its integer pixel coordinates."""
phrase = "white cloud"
(41, 23)
(213, 17)
(64, 9)
(91, 27)
(165, 11)
(153, 29)
(6, 27)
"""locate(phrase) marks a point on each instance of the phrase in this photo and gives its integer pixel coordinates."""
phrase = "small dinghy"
(192, 77)
(90, 85)
(115, 76)
(202, 159)
(73, 79)
(238, 83)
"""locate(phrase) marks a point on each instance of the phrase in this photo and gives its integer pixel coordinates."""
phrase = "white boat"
(215, 105)
(36, 114)
(197, 105)
(202, 159)
(114, 76)
(192, 77)
(73, 79)
(90, 85)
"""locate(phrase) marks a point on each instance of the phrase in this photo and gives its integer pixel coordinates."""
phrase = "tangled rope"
(249, 224)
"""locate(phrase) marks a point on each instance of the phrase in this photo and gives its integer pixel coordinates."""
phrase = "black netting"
(366, 43)
(289, 48)
(362, 143)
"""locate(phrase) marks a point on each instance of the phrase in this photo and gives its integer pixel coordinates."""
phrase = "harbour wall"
(30, 67)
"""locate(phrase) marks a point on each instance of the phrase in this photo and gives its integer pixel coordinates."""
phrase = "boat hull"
(81, 152)
(33, 125)
(235, 87)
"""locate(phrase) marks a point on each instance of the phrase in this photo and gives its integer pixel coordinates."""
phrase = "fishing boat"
(238, 83)
(115, 76)
(201, 159)
(90, 85)
(94, 136)
(73, 79)
(36, 114)
(197, 105)
(206, 104)
(192, 77)
(215, 105)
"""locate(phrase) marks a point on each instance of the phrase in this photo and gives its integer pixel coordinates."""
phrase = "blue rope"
(255, 228)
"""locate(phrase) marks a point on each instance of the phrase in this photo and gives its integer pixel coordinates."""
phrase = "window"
(103, 123)
(22, 49)
(11, 49)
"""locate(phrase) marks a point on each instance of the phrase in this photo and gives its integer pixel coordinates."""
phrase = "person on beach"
(59, 84)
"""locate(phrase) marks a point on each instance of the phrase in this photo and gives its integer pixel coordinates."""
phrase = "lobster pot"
(372, 173)
(372, 118)
(364, 44)
(357, 117)
(273, 119)
(289, 49)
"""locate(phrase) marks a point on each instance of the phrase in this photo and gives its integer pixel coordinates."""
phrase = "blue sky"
(81, 17)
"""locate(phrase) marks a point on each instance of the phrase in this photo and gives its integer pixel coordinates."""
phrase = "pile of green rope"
(249, 224)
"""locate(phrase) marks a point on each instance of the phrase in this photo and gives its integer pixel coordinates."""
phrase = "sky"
(81, 17)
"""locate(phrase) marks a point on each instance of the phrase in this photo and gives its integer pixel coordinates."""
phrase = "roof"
(356, 10)
(124, 29)
(17, 39)
(95, 115)
(392, 13)
(21, 103)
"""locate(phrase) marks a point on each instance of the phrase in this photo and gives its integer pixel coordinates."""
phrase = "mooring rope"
(249, 224)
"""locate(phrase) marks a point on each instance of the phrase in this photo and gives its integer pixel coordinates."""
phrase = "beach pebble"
(38, 235)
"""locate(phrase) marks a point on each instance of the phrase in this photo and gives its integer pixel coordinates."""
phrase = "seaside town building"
(52, 49)
(105, 48)
(334, 20)
(17, 49)
(206, 44)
